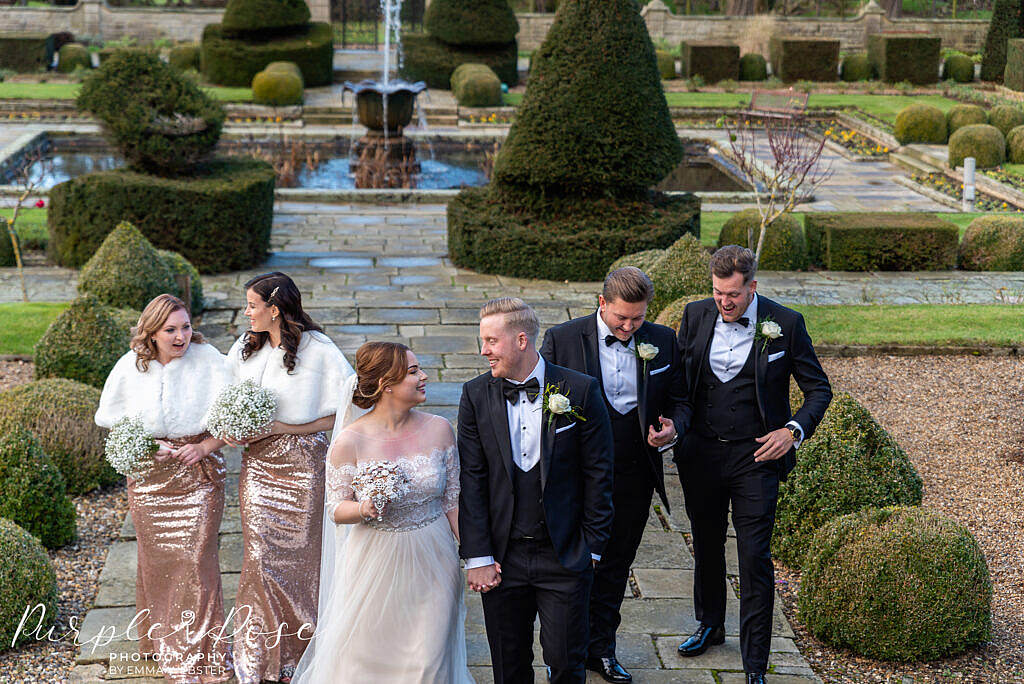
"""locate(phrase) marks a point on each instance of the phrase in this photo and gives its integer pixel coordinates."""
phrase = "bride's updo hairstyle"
(378, 366)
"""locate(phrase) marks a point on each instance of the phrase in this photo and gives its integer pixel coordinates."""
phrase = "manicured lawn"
(69, 91)
(31, 227)
(24, 324)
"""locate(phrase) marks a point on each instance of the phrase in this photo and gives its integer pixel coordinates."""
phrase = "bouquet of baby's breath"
(242, 411)
(130, 447)
(382, 482)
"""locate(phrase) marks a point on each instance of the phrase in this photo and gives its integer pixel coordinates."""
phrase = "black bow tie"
(612, 339)
(511, 390)
(743, 320)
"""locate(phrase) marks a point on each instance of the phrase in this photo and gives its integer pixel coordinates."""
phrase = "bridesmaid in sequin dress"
(169, 379)
(281, 486)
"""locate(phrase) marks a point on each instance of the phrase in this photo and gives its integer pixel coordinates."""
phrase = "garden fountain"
(385, 108)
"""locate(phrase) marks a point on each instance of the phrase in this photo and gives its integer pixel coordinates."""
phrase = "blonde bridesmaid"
(281, 487)
(169, 378)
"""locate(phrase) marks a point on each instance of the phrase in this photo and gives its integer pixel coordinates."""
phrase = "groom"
(535, 508)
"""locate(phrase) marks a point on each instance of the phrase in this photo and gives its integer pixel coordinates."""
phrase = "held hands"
(485, 578)
(190, 454)
(774, 445)
(275, 428)
(666, 434)
(165, 452)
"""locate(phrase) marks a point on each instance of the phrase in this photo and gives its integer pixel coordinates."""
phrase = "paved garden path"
(381, 273)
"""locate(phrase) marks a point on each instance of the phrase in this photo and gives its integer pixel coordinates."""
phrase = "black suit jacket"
(661, 386)
(576, 470)
(772, 377)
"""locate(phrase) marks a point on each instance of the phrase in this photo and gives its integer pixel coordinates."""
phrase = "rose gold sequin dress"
(177, 510)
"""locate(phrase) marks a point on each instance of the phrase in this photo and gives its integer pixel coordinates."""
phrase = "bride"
(391, 605)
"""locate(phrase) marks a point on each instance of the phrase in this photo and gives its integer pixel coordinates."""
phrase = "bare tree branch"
(34, 167)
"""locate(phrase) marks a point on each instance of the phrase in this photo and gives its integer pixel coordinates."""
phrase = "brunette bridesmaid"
(281, 487)
(169, 378)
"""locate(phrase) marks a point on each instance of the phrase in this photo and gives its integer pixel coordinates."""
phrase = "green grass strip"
(69, 91)
(24, 324)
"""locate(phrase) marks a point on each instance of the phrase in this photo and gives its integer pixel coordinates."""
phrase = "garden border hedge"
(26, 51)
(433, 61)
(881, 241)
(905, 57)
(712, 60)
(1013, 76)
(235, 61)
(799, 58)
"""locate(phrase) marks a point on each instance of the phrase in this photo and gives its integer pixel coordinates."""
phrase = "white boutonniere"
(558, 404)
(767, 330)
(646, 352)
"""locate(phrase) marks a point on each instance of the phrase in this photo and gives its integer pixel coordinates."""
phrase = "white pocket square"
(563, 429)
(776, 356)
(660, 370)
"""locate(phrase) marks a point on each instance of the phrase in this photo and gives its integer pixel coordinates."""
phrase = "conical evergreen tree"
(471, 22)
(594, 121)
(1004, 25)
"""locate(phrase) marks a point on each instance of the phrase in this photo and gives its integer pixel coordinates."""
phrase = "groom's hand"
(659, 438)
(485, 578)
(774, 445)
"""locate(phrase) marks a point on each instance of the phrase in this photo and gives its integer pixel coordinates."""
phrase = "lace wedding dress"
(395, 609)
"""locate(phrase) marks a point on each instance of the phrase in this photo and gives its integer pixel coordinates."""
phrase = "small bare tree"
(781, 162)
(34, 167)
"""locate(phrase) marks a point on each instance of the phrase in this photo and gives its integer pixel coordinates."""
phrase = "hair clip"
(273, 293)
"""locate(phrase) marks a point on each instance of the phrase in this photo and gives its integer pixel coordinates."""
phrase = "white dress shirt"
(618, 369)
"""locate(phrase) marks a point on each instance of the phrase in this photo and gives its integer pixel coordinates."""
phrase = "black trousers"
(534, 582)
(631, 498)
(715, 474)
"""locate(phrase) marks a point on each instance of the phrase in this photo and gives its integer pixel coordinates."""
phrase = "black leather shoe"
(609, 669)
(755, 678)
(701, 639)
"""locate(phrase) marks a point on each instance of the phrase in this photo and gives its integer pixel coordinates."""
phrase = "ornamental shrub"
(59, 414)
(921, 123)
(230, 61)
(25, 52)
(993, 243)
(962, 115)
(180, 266)
(1006, 118)
(277, 88)
(1004, 25)
(753, 67)
(84, 342)
(983, 142)
(666, 64)
(471, 23)
(713, 61)
(643, 260)
(685, 270)
(184, 57)
(432, 61)
(881, 241)
(288, 67)
(856, 68)
(126, 272)
(1015, 145)
(32, 490)
(959, 68)
(27, 578)
(1013, 76)
(476, 85)
(849, 463)
(903, 584)
(72, 56)
(784, 246)
(913, 57)
(160, 120)
(264, 18)
(672, 315)
(796, 58)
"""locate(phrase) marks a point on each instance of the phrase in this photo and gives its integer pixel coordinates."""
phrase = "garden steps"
(912, 163)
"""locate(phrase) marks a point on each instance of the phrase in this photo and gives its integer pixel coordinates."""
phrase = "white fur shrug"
(173, 399)
(311, 391)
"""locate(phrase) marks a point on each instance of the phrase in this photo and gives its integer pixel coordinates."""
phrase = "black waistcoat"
(727, 410)
(528, 512)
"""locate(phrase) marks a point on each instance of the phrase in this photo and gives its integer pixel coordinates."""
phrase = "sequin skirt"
(177, 511)
(281, 493)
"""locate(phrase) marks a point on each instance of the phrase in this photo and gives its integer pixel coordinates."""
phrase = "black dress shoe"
(755, 678)
(700, 640)
(609, 669)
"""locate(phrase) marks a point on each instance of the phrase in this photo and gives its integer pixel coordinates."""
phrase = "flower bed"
(954, 189)
(856, 143)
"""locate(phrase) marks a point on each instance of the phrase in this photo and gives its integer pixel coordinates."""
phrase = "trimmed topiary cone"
(126, 272)
(684, 271)
(471, 22)
(643, 260)
(27, 578)
(594, 121)
(1004, 25)
(179, 265)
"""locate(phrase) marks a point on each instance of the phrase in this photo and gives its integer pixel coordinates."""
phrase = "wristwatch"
(795, 433)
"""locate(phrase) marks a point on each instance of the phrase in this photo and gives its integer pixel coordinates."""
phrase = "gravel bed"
(959, 420)
(14, 373)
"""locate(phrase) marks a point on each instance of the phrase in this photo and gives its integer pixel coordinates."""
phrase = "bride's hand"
(368, 511)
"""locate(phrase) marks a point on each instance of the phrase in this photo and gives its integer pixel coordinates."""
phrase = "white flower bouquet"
(381, 482)
(130, 447)
(242, 411)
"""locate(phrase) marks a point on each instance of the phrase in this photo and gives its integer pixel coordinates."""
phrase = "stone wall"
(96, 20)
(752, 33)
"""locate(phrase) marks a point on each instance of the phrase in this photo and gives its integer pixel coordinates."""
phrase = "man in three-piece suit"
(643, 388)
(739, 351)
(535, 509)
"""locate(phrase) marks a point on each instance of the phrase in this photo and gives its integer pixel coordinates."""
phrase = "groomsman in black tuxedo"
(644, 391)
(535, 508)
(739, 350)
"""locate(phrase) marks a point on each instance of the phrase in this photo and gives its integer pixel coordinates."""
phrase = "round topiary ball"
(184, 57)
(672, 315)
(73, 56)
(643, 260)
(993, 243)
(1006, 118)
(289, 67)
(959, 68)
(666, 64)
(59, 413)
(855, 68)
(684, 270)
(920, 123)
(849, 463)
(962, 115)
(27, 579)
(126, 272)
(983, 142)
(277, 88)
(159, 119)
(902, 584)
(785, 248)
(1015, 145)
(471, 22)
(476, 85)
(32, 490)
(753, 67)
(179, 265)
(84, 342)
